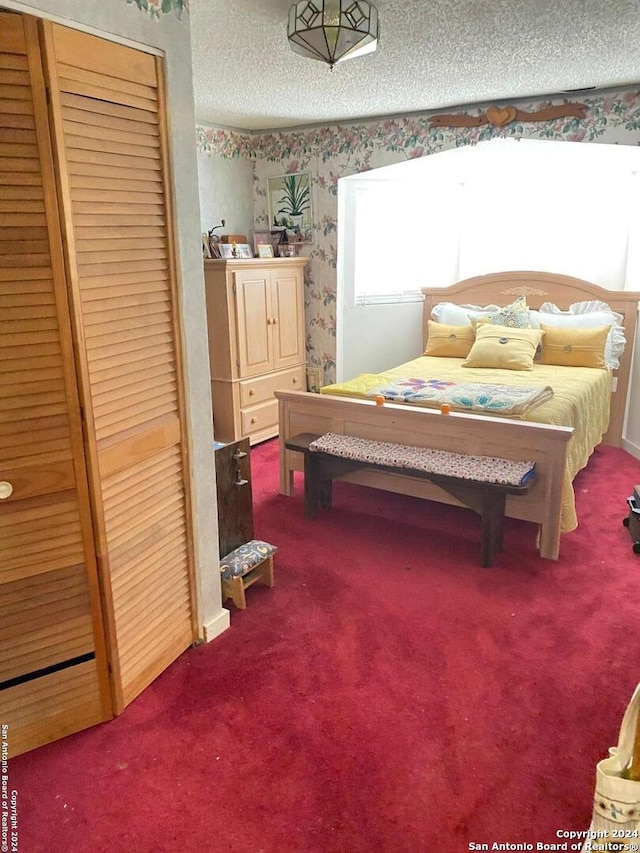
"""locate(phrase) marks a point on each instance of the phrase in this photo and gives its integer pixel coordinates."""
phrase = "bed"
(587, 406)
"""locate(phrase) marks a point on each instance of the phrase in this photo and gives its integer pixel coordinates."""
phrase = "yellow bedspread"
(580, 400)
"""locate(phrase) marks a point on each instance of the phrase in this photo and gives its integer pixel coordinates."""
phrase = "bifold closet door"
(109, 138)
(53, 673)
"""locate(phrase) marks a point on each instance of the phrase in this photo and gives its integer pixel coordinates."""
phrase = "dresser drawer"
(258, 418)
(260, 390)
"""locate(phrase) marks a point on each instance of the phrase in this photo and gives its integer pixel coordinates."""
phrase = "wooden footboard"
(458, 432)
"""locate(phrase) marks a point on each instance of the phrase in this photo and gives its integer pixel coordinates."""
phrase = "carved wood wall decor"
(502, 116)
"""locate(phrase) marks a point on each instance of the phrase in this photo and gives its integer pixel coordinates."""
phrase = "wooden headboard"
(503, 287)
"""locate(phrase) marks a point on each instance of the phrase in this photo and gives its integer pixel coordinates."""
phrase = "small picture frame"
(272, 238)
(260, 238)
(314, 379)
(265, 250)
(230, 251)
(243, 250)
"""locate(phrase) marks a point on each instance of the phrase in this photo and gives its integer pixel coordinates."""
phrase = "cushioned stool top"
(484, 469)
(244, 558)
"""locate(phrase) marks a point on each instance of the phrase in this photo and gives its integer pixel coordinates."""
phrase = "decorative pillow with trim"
(449, 341)
(574, 347)
(504, 347)
(587, 315)
(515, 316)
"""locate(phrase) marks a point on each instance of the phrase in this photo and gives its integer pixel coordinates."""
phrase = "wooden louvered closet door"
(53, 675)
(107, 104)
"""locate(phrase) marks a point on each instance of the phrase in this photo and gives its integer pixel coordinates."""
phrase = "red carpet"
(386, 695)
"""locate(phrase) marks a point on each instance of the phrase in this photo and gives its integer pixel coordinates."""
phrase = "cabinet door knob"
(251, 392)
(6, 490)
(269, 321)
(275, 321)
(295, 379)
(253, 420)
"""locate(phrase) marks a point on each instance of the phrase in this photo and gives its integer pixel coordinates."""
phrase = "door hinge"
(235, 290)
(238, 363)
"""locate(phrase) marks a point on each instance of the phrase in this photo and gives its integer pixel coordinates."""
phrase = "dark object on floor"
(243, 559)
(632, 521)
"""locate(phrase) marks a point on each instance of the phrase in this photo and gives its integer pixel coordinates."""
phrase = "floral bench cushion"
(483, 469)
(244, 558)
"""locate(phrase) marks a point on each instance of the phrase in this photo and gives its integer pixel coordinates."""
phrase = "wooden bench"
(481, 495)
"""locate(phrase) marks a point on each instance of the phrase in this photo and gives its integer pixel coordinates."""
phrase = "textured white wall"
(226, 192)
(631, 434)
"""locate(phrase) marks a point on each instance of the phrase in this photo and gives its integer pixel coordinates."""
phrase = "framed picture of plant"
(289, 203)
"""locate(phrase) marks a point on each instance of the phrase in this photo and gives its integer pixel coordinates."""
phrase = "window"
(403, 239)
(500, 205)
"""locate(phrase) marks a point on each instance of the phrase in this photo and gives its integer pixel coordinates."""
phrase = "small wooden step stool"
(248, 564)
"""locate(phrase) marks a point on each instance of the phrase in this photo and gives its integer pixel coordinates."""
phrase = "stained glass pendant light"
(333, 30)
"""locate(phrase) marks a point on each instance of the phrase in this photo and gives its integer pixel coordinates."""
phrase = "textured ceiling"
(431, 54)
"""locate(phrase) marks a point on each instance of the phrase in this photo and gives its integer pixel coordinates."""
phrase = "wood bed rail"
(459, 432)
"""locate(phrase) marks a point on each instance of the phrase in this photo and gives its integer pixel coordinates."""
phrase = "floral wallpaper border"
(331, 152)
(155, 8)
(229, 144)
(414, 136)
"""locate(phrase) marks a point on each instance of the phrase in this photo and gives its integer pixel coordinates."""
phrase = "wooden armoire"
(96, 586)
(255, 317)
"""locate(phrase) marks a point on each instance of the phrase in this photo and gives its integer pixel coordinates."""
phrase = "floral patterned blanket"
(512, 400)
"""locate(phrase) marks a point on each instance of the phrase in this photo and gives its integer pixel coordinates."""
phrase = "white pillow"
(586, 315)
(460, 315)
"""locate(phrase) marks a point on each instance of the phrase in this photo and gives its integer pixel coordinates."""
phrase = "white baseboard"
(631, 448)
(216, 626)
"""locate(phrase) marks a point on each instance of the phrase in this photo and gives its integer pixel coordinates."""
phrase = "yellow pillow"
(449, 341)
(504, 347)
(574, 347)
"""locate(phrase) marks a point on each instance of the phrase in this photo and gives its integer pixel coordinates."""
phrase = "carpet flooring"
(387, 694)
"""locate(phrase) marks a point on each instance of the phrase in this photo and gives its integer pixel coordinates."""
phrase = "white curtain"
(560, 207)
(572, 224)
(405, 238)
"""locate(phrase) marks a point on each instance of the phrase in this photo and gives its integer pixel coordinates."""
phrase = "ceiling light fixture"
(333, 30)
